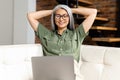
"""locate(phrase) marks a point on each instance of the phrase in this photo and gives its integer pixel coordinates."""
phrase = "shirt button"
(60, 54)
(61, 49)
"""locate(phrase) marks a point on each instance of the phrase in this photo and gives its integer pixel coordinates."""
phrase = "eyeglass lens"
(58, 16)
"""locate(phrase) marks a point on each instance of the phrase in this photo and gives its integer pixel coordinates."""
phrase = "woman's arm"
(34, 16)
(90, 15)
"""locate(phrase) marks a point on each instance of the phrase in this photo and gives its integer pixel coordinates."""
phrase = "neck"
(60, 31)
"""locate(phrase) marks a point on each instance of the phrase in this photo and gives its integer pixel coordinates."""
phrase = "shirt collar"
(65, 31)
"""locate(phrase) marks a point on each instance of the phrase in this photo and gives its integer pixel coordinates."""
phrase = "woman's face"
(61, 18)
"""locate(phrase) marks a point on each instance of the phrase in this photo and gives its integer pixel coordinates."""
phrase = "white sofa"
(98, 63)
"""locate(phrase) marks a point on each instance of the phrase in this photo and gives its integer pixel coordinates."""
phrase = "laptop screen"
(53, 68)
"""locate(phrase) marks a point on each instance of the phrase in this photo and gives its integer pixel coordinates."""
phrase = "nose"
(61, 18)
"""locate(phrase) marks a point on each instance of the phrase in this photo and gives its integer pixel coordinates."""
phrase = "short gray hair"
(71, 21)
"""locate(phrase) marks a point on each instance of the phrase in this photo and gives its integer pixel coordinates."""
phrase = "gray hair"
(71, 21)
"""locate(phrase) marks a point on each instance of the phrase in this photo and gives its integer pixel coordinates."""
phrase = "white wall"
(6, 22)
(23, 33)
(14, 27)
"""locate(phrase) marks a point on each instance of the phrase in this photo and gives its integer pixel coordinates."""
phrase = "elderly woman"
(64, 39)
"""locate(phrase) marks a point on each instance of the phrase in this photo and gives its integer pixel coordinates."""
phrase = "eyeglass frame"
(64, 16)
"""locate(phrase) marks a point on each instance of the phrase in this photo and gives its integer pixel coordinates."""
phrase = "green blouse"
(67, 44)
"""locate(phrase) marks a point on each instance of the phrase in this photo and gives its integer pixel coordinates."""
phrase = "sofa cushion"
(16, 54)
(15, 61)
(92, 61)
(111, 69)
(2, 72)
(22, 71)
(1, 55)
(92, 54)
(112, 56)
(91, 71)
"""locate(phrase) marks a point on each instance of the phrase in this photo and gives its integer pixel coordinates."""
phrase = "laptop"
(53, 68)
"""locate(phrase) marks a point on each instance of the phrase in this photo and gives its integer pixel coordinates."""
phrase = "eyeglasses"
(58, 16)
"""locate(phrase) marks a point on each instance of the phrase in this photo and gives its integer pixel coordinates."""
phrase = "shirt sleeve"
(42, 31)
(80, 30)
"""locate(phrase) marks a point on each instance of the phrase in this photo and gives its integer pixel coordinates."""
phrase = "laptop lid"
(53, 68)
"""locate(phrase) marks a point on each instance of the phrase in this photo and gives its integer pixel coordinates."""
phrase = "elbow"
(28, 15)
(94, 11)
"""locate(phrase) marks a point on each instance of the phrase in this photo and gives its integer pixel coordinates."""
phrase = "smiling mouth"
(61, 23)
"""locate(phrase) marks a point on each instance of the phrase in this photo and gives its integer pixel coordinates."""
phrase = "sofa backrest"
(10, 54)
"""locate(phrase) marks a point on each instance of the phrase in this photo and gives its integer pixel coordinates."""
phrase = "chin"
(62, 27)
